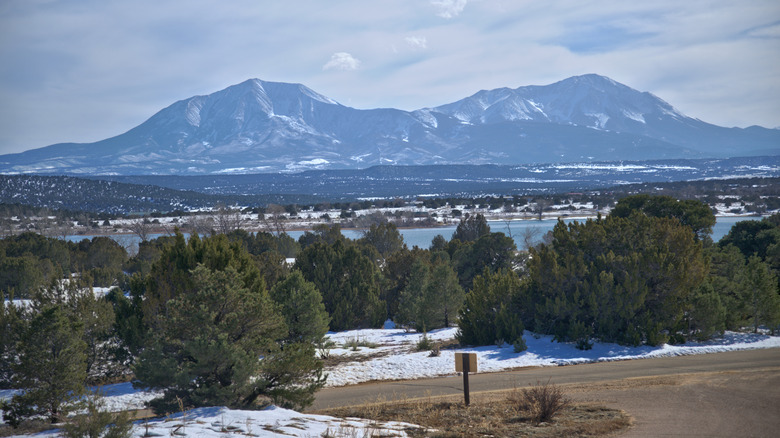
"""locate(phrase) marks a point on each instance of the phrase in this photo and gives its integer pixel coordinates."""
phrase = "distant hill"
(124, 194)
(259, 126)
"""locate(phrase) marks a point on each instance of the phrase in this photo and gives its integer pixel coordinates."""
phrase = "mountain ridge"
(258, 126)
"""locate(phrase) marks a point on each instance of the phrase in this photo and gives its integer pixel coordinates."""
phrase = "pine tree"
(206, 351)
(10, 330)
(349, 282)
(412, 301)
(489, 313)
(302, 308)
(446, 294)
(206, 331)
(760, 290)
(51, 367)
(707, 315)
(471, 228)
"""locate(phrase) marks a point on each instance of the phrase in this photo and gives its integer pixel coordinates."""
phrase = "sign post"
(466, 363)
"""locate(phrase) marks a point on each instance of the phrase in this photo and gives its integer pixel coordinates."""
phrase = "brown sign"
(472, 362)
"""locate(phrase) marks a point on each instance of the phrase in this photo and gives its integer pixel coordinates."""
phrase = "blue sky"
(85, 70)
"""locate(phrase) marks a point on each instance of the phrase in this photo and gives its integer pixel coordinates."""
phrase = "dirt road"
(733, 394)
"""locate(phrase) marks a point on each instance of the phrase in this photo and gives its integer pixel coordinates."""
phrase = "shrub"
(520, 345)
(97, 422)
(541, 401)
(424, 344)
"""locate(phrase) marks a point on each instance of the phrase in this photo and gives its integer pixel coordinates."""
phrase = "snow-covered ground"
(221, 422)
(395, 358)
(388, 354)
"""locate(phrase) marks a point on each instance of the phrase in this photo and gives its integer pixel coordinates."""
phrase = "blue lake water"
(422, 237)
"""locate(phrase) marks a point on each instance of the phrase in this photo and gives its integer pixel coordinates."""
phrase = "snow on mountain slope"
(259, 126)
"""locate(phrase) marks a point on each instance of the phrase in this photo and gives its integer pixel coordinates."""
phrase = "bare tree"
(228, 219)
(275, 218)
(530, 235)
(541, 205)
(141, 227)
(202, 224)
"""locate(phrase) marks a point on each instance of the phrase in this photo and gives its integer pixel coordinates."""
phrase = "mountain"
(258, 126)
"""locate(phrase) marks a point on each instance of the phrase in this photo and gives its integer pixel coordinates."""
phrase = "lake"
(422, 237)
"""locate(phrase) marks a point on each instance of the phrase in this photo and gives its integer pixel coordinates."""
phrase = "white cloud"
(342, 61)
(417, 42)
(449, 8)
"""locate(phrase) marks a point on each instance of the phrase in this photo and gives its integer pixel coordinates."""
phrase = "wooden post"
(466, 363)
(466, 378)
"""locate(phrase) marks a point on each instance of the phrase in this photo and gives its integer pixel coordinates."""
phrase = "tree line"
(227, 319)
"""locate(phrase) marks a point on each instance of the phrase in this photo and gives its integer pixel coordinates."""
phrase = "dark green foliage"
(491, 312)
(148, 252)
(51, 367)
(262, 242)
(438, 243)
(209, 317)
(432, 296)
(396, 272)
(10, 332)
(328, 234)
(625, 280)
(471, 228)
(491, 251)
(349, 282)
(384, 237)
(170, 275)
(21, 274)
(694, 214)
(104, 255)
(753, 237)
(301, 305)
(206, 351)
(760, 291)
(707, 316)
(128, 324)
(726, 272)
(58, 252)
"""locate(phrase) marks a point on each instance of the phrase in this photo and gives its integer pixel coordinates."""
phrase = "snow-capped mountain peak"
(260, 126)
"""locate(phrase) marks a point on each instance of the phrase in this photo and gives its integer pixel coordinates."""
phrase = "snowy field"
(390, 354)
(395, 358)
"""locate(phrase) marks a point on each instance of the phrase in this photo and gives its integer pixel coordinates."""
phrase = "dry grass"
(494, 414)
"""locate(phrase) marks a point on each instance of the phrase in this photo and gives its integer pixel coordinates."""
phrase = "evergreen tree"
(384, 237)
(50, 369)
(691, 213)
(412, 305)
(207, 325)
(707, 316)
(349, 282)
(10, 331)
(752, 237)
(492, 251)
(22, 274)
(471, 228)
(206, 351)
(445, 294)
(302, 308)
(727, 265)
(627, 280)
(760, 290)
(490, 312)
(396, 272)
(77, 299)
